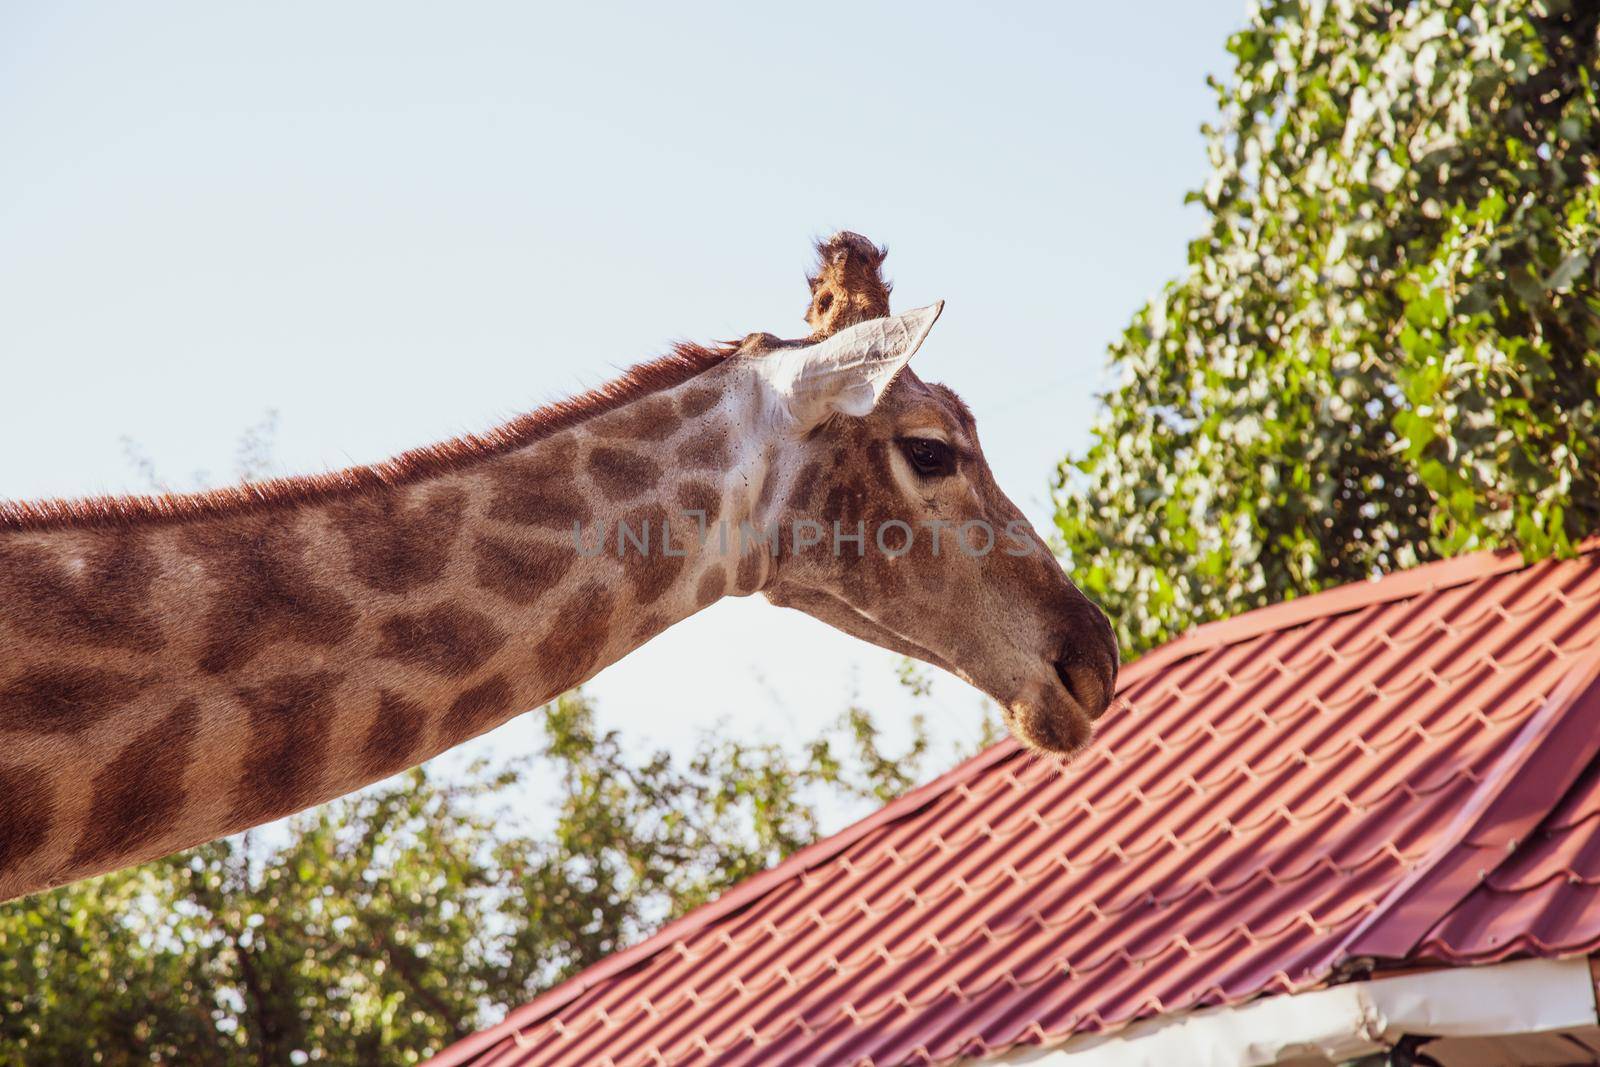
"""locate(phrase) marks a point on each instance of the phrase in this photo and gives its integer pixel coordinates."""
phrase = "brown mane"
(684, 362)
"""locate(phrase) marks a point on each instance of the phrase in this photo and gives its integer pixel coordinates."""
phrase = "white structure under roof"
(1506, 1015)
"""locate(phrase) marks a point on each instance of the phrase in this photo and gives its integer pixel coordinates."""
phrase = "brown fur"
(713, 583)
(140, 792)
(652, 571)
(26, 816)
(694, 403)
(805, 486)
(451, 639)
(267, 594)
(394, 736)
(530, 496)
(477, 709)
(751, 571)
(651, 419)
(400, 545)
(291, 718)
(621, 474)
(578, 634)
(708, 453)
(104, 605)
(62, 698)
(700, 502)
(648, 626)
(521, 571)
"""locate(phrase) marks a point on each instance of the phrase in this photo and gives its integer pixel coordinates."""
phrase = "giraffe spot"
(700, 497)
(649, 419)
(528, 492)
(844, 505)
(712, 584)
(26, 813)
(290, 719)
(64, 699)
(748, 577)
(805, 485)
(450, 639)
(571, 649)
(478, 709)
(521, 571)
(622, 475)
(392, 737)
(99, 599)
(648, 627)
(878, 465)
(139, 794)
(651, 569)
(692, 403)
(769, 483)
(266, 593)
(397, 547)
(708, 453)
(889, 573)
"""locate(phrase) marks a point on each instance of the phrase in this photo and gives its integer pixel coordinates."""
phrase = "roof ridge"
(1341, 600)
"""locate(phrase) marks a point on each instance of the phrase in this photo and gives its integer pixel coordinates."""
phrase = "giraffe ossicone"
(177, 668)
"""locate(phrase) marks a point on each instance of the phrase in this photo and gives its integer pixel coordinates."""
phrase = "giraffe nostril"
(1088, 684)
(1087, 662)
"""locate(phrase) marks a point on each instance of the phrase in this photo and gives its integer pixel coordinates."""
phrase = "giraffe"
(181, 667)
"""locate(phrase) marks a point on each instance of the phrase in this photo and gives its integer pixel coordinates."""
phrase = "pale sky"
(392, 222)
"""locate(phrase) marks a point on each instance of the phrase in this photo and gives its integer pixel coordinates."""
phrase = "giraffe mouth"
(1061, 730)
(1055, 714)
(1061, 717)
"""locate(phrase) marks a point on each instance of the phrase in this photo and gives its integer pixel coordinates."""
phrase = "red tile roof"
(1406, 769)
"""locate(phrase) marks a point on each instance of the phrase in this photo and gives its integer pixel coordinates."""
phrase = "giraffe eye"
(928, 456)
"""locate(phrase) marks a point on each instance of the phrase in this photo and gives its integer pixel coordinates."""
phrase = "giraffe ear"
(847, 373)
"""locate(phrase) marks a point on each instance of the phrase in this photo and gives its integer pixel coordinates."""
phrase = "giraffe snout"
(1087, 664)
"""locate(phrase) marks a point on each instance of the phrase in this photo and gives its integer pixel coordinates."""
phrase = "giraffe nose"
(1087, 685)
(1087, 666)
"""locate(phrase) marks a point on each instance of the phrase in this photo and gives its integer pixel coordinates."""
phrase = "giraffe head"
(891, 527)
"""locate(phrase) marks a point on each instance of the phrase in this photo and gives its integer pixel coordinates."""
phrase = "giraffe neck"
(163, 684)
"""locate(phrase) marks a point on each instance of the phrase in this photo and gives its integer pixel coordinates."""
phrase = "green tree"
(1386, 348)
(377, 928)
